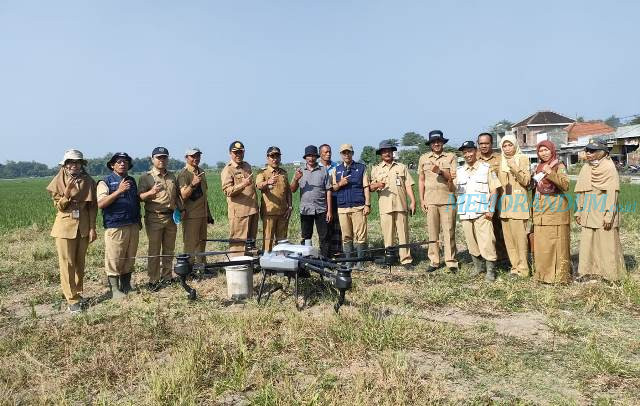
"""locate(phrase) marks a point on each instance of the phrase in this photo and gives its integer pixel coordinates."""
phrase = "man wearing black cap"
(275, 205)
(192, 182)
(436, 171)
(242, 201)
(315, 198)
(394, 184)
(159, 192)
(476, 189)
(118, 198)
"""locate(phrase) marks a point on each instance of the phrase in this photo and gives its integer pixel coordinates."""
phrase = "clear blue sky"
(129, 75)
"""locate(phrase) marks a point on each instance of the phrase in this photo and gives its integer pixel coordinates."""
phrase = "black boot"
(478, 265)
(125, 282)
(347, 248)
(360, 252)
(116, 292)
(491, 271)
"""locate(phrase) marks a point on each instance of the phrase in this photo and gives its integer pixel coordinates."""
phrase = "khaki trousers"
(480, 238)
(242, 228)
(274, 228)
(194, 232)
(71, 261)
(120, 248)
(442, 217)
(353, 226)
(515, 239)
(396, 224)
(601, 253)
(161, 232)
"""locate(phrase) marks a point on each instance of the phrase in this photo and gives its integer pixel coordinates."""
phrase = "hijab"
(504, 166)
(545, 186)
(84, 192)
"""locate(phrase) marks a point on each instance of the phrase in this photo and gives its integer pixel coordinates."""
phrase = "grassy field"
(403, 338)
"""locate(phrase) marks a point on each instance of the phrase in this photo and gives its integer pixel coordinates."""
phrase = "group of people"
(489, 193)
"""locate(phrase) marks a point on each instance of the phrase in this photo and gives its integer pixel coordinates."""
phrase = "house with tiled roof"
(587, 129)
(527, 129)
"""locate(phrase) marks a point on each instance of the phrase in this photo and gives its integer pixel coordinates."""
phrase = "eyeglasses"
(274, 156)
(122, 161)
(74, 162)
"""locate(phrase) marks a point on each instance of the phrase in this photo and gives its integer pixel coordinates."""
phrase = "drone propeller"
(233, 240)
(195, 254)
(394, 247)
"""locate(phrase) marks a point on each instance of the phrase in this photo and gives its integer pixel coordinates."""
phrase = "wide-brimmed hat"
(467, 144)
(436, 135)
(597, 144)
(73, 155)
(385, 145)
(119, 155)
(310, 150)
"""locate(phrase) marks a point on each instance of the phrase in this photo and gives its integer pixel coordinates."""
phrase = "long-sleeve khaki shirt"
(241, 200)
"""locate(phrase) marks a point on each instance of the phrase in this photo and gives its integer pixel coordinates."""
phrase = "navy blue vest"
(125, 209)
(351, 195)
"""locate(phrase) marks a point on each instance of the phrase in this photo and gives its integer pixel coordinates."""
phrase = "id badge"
(398, 182)
(75, 214)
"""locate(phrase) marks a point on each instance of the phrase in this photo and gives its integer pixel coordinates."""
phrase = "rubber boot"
(125, 282)
(491, 271)
(360, 252)
(478, 265)
(347, 248)
(116, 292)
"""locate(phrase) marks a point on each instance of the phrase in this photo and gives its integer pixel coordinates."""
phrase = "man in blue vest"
(350, 182)
(118, 198)
(334, 234)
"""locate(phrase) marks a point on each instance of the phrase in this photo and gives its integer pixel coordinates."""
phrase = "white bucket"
(239, 279)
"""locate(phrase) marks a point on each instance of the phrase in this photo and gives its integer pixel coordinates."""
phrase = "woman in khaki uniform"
(597, 191)
(551, 218)
(74, 197)
(514, 177)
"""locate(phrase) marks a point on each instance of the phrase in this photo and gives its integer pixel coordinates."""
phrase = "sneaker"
(75, 308)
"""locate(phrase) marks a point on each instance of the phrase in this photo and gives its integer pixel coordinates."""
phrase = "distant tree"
(13, 169)
(368, 155)
(613, 121)
(635, 121)
(412, 138)
(580, 119)
(220, 164)
(501, 127)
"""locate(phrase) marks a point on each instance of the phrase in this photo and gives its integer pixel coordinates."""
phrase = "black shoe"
(452, 269)
(154, 286)
(432, 268)
(408, 267)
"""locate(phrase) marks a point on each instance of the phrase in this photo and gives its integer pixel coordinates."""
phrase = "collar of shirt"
(473, 167)
(491, 158)
(306, 168)
(192, 169)
(383, 164)
(156, 172)
(235, 165)
(436, 156)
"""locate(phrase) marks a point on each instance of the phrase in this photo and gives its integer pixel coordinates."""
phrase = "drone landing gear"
(266, 273)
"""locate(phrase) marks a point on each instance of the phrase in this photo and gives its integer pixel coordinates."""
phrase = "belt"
(160, 212)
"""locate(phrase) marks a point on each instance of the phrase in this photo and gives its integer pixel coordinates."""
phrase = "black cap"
(160, 151)
(236, 146)
(385, 145)
(272, 149)
(436, 135)
(310, 150)
(467, 144)
(597, 144)
(119, 155)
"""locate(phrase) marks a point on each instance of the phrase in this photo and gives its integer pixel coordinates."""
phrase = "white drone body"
(280, 258)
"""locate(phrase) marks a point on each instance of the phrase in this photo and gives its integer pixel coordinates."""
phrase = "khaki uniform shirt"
(275, 200)
(365, 183)
(553, 210)
(516, 205)
(436, 188)
(65, 226)
(493, 161)
(395, 176)
(166, 200)
(241, 202)
(593, 208)
(198, 208)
